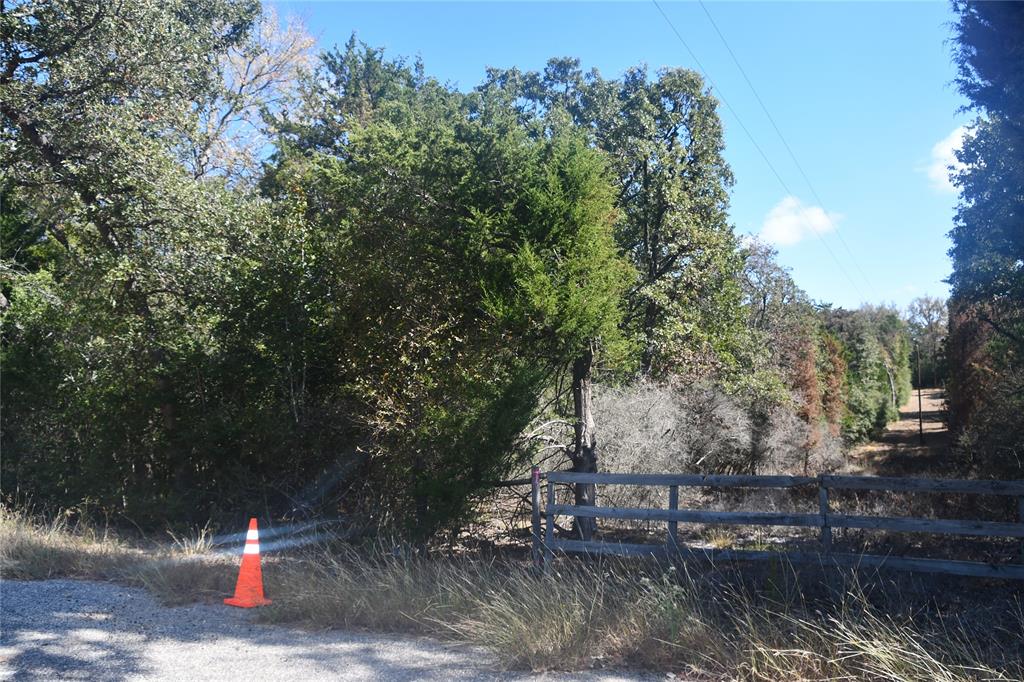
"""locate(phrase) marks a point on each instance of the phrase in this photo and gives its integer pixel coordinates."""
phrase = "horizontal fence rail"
(546, 544)
(924, 485)
(684, 480)
(690, 516)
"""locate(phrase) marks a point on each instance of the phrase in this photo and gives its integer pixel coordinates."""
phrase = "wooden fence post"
(826, 528)
(673, 526)
(535, 515)
(549, 528)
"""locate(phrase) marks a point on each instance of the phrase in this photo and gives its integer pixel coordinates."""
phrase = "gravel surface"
(68, 629)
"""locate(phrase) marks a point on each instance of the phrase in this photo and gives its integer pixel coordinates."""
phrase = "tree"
(986, 328)
(664, 139)
(787, 361)
(988, 52)
(96, 103)
(783, 327)
(988, 232)
(478, 263)
(25, 244)
(876, 356)
(258, 80)
(926, 317)
(770, 294)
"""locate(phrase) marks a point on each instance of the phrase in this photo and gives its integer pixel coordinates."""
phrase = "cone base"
(246, 603)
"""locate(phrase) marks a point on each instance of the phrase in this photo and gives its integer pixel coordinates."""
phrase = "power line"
(760, 151)
(785, 143)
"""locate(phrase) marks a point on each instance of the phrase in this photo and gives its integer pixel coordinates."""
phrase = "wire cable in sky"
(760, 151)
(785, 143)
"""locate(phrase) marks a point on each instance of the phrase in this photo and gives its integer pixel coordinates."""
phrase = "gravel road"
(67, 629)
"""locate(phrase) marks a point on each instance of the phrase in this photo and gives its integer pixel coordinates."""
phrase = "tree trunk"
(650, 322)
(584, 456)
(892, 389)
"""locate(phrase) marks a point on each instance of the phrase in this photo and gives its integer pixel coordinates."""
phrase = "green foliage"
(988, 52)
(384, 324)
(988, 242)
(663, 139)
(782, 328)
(987, 302)
(376, 325)
(105, 348)
(848, 371)
(486, 266)
(876, 351)
(25, 245)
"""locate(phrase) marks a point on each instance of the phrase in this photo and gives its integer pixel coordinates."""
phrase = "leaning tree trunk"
(892, 388)
(584, 455)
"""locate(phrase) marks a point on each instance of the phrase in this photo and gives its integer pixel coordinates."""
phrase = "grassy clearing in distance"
(778, 626)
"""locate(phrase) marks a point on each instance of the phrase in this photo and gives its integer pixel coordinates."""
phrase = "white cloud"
(942, 158)
(790, 220)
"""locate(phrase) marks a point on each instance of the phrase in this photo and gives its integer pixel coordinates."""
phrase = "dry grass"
(777, 626)
(630, 614)
(34, 550)
(177, 574)
(720, 538)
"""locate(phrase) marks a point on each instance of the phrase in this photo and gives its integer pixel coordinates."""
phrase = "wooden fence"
(545, 544)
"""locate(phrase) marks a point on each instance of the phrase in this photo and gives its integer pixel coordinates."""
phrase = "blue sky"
(860, 91)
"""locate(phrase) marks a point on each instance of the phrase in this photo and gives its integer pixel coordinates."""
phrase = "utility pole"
(920, 412)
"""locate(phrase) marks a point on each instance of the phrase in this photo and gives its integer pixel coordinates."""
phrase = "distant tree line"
(237, 275)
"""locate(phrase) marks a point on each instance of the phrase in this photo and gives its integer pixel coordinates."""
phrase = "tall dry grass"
(181, 572)
(711, 625)
(617, 613)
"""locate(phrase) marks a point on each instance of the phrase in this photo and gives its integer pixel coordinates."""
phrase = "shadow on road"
(66, 629)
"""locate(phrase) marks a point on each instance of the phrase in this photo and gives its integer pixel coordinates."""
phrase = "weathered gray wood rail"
(545, 544)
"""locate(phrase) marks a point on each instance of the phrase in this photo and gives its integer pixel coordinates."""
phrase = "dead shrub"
(654, 428)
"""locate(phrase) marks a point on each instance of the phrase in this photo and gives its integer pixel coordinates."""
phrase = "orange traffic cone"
(249, 589)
